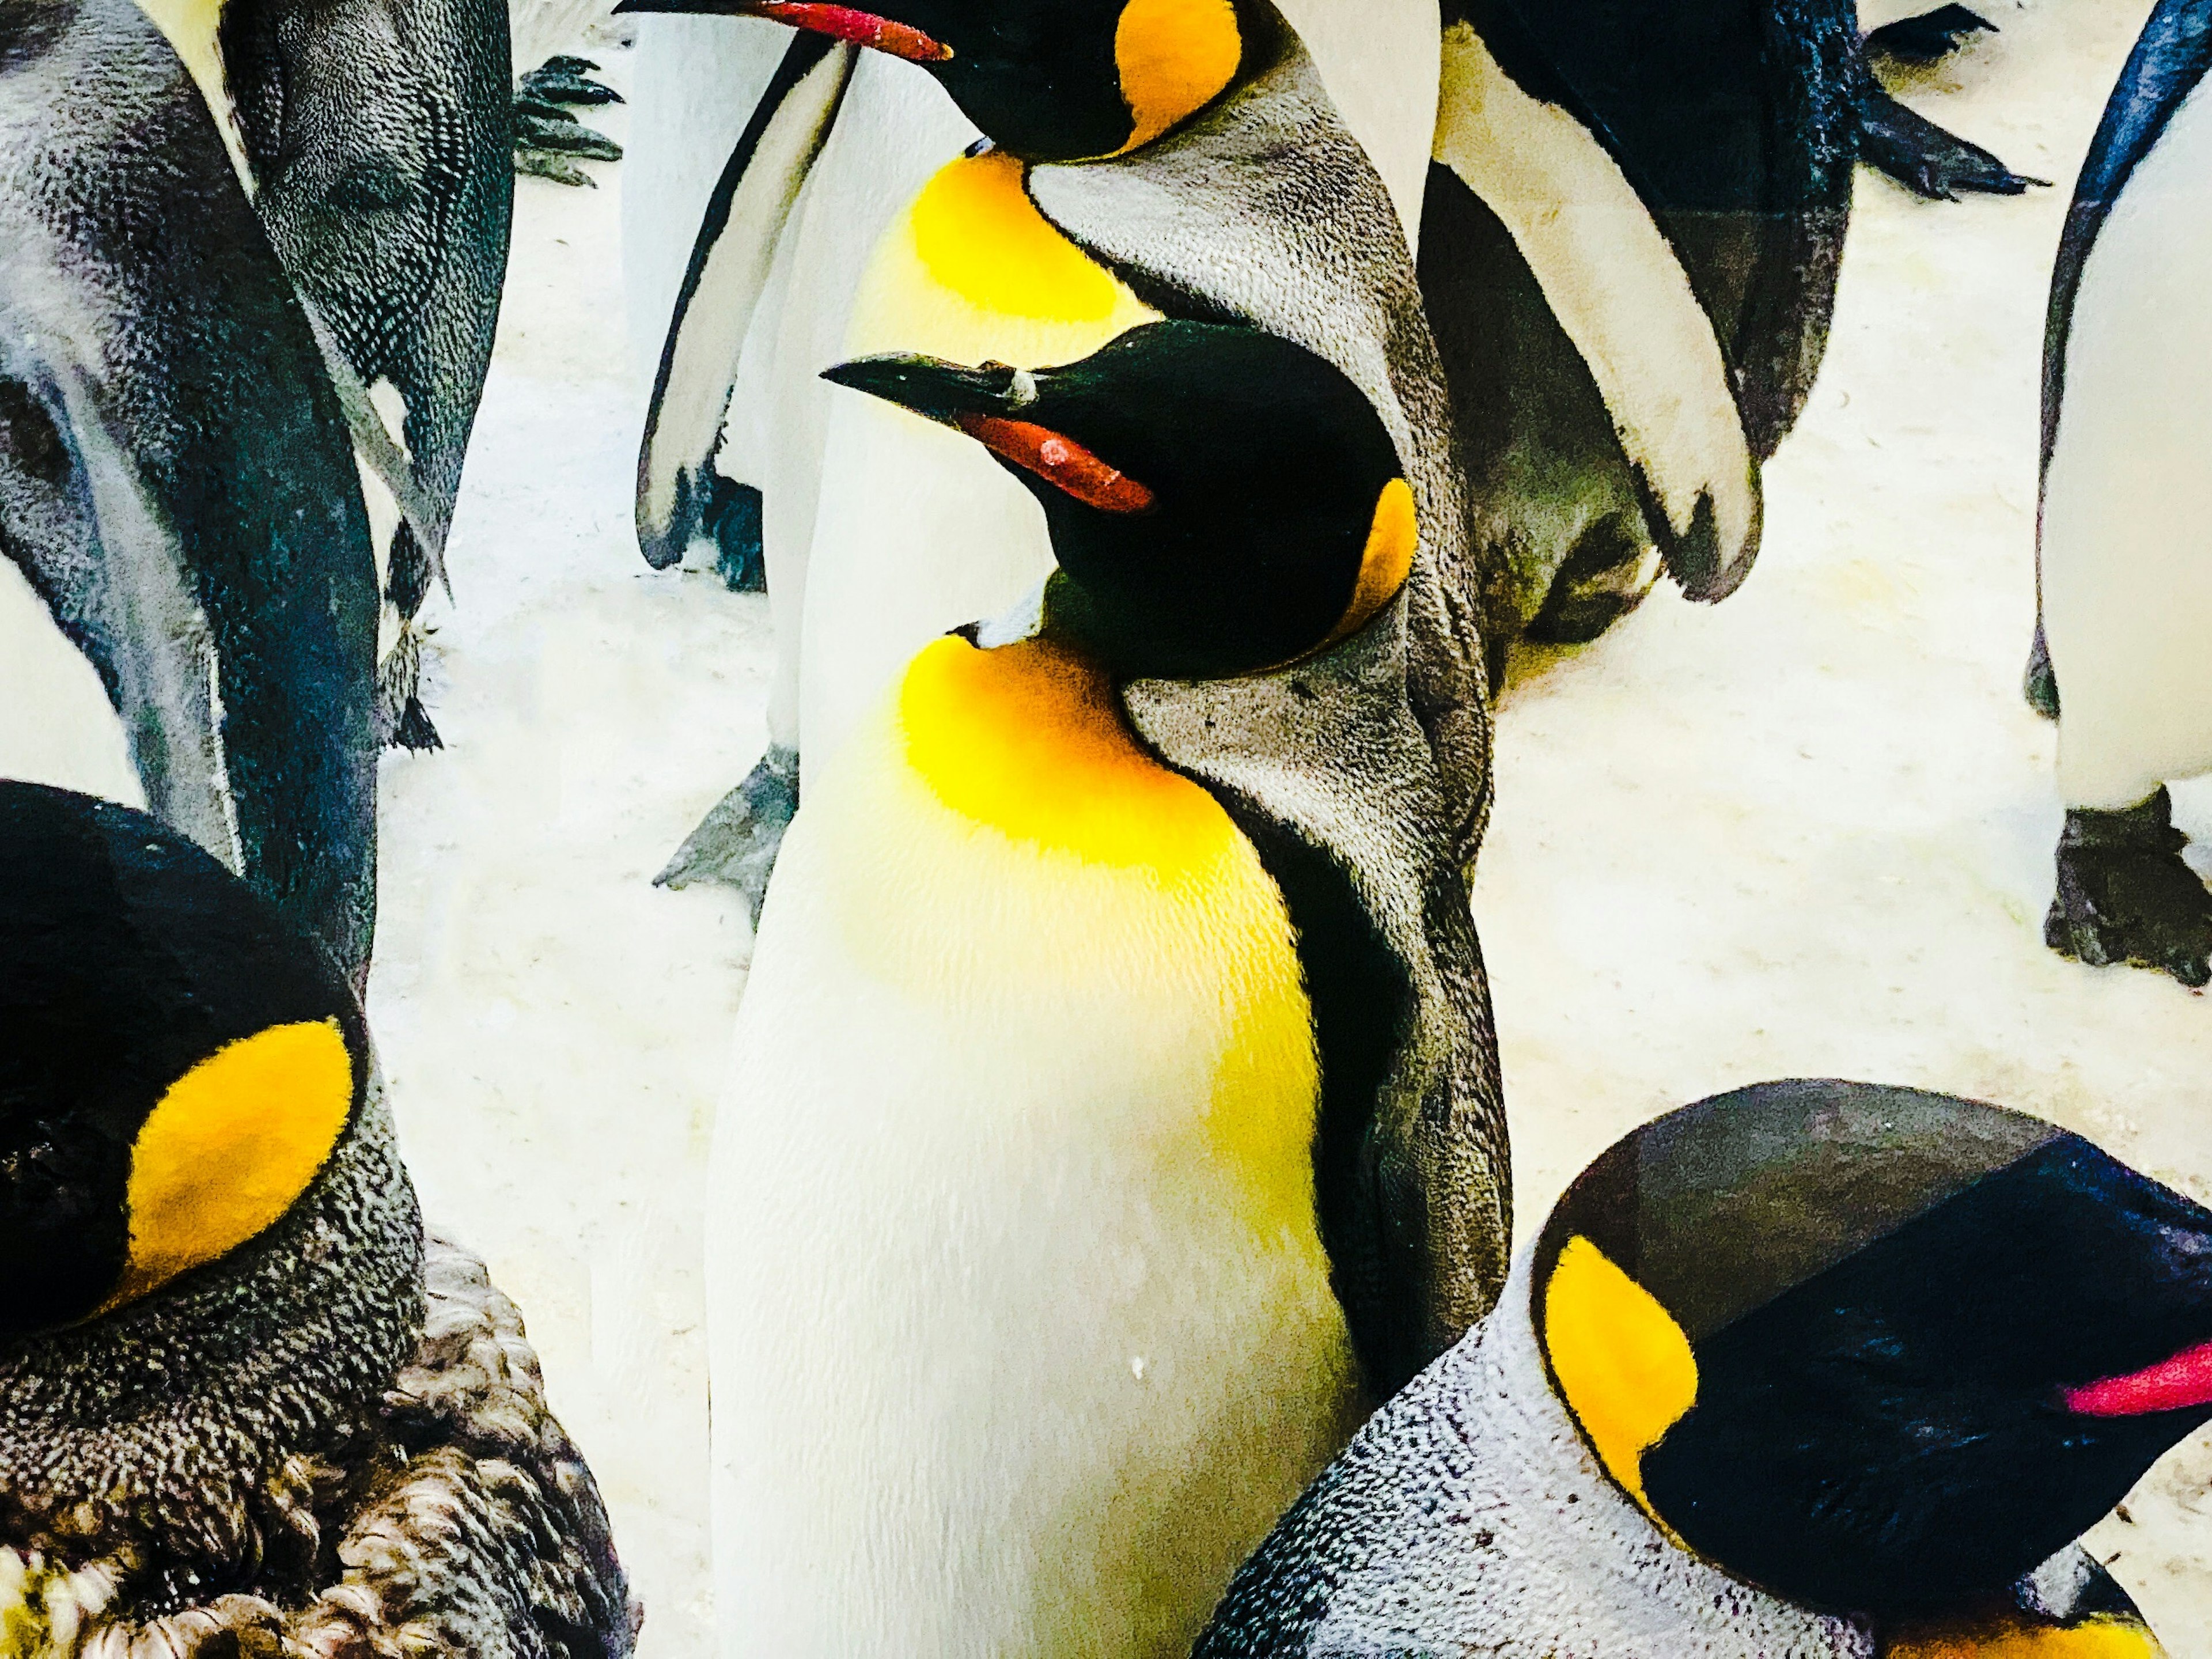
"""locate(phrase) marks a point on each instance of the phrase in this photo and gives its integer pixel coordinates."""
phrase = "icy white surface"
(1806, 833)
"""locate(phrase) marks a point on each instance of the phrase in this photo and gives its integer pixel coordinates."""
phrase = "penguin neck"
(1529, 1538)
(160, 1429)
(193, 29)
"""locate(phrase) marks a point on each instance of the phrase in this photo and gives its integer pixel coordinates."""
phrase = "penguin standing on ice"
(1816, 1369)
(374, 138)
(245, 1407)
(178, 504)
(1113, 1107)
(1212, 130)
(2124, 555)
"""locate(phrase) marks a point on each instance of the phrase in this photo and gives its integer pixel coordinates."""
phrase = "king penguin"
(245, 1407)
(188, 617)
(1149, 158)
(1820, 1370)
(2125, 563)
(1114, 1109)
(374, 139)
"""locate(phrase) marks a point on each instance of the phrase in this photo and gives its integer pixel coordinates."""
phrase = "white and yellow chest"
(1022, 1329)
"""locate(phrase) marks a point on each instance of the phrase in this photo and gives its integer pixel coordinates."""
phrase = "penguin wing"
(730, 264)
(1517, 136)
(1328, 776)
(492, 1540)
(174, 476)
(2170, 57)
(1223, 220)
(1737, 126)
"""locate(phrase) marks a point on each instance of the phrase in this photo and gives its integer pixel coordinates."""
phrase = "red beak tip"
(2180, 1383)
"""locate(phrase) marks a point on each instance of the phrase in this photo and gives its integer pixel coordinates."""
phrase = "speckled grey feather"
(1266, 210)
(1330, 748)
(1468, 1517)
(333, 1442)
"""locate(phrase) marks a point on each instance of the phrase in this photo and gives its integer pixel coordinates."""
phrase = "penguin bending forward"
(245, 1407)
(2124, 560)
(1811, 1371)
(374, 139)
(177, 501)
(1114, 1110)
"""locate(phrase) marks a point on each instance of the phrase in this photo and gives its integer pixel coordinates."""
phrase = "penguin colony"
(1113, 1188)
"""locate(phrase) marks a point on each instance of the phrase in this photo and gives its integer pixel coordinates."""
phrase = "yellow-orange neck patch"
(1624, 1365)
(2102, 1636)
(1030, 739)
(1392, 539)
(977, 233)
(1175, 57)
(230, 1147)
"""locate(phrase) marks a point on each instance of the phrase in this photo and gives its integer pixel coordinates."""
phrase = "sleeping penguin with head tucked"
(1813, 1369)
(1114, 1106)
(245, 1406)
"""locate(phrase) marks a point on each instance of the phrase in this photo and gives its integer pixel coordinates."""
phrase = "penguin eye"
(1625, 1368)
(230, 1146)
(1174, 57)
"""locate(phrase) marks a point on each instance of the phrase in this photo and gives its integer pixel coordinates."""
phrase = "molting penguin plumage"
(2125, 587)
(175, 486)
(1811, 1369)
(1208, 130)
(245, 1406)
(375, 138)
(1114, 1106)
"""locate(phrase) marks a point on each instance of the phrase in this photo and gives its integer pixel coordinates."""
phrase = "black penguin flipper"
(1924, 158)
(722, 286)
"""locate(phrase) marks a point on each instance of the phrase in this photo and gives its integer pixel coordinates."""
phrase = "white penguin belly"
(1022, 1330)
(59, 727)
(2127, 507)
(917, 530)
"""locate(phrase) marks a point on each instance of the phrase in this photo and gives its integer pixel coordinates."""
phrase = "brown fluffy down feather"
(465, 1523)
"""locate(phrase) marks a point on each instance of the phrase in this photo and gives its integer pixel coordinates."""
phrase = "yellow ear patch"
(977, 233)
(1388, 560)
(1175, 57)
(1030, 739)
(2102, 1636)
(1624, 1365)
(229, 1147)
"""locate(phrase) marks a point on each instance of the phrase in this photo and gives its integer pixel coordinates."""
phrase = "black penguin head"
(1875, 1350)
(1048, 80)
(177, 1063)
(1221, 501)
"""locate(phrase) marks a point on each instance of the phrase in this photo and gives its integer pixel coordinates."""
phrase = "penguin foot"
(540, 166)
(566, 79)
(732, 519)
(1605, 577)
(544, 132)
(736, 843)
(563, 137)
(1931, 35)
(1925, 159)
(402, 722)
(2039, 685)
(2125, 894)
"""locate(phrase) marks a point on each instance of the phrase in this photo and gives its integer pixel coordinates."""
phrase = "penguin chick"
(1098, 1126)
(234, 1416)
(1811, 1369)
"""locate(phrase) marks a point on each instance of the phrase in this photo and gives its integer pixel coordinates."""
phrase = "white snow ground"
(1806, 833)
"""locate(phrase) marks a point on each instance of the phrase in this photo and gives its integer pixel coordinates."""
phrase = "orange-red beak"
(2171, 1385)
(850, 23)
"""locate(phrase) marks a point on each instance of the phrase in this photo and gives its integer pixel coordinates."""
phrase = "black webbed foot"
(2125, 894)
(1924, 158)
(736, 842)
(1608, 573)
(1931, 35)
(732, 521)
(546, 134)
